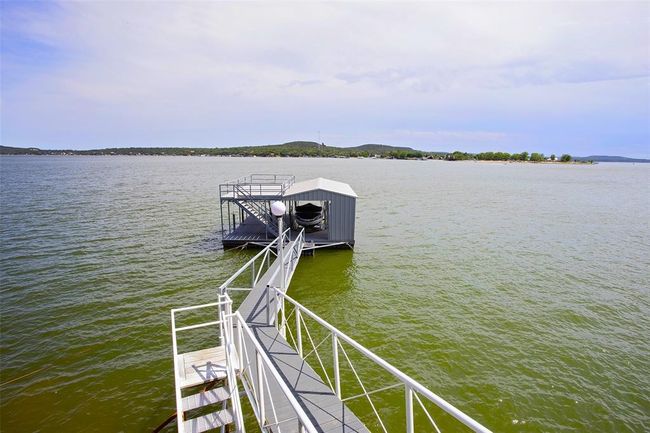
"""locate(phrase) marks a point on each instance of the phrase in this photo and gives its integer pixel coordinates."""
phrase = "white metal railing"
(265, 178)
(412, 388)
(256, 266)
(287, 268)
(259, 209)
(232, 358)
(225, 333)
(258, 184)
(257, 373)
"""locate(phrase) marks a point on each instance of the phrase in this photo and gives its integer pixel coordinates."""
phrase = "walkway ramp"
(322, 406)
(285, 392)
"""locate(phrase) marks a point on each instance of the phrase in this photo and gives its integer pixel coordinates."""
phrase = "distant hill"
(6, 150)
(380, 148)
(292, 148)
(606, 158)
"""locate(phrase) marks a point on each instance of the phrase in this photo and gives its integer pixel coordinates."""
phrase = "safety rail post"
(283, 330)
(298, 332)
(409, 408)
(335, 355)
(177, 388)
(268, 304)
(260, 388)
(227, 317)
(240, 346)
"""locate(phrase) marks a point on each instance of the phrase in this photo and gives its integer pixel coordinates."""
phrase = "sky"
(569, 77)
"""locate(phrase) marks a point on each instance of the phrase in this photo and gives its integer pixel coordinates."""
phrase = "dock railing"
(257, 265)
(262, 185)
(225, 325)
(414, 392)
(291, 258)
(257, 373)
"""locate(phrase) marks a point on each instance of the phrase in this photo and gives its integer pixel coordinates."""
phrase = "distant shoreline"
(305, 149)
(578, 162)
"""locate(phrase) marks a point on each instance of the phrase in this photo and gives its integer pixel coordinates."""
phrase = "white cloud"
(191, 63)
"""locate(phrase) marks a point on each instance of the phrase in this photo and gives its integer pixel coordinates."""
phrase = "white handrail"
(293, 252)
(226, 317)
(302, 416)
(411, 383)
(196, 307)
(175, 330)
(224, 286)
(177, 388)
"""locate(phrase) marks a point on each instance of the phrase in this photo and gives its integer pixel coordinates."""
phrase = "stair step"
(210, 421)
(261, 217)
(205, 398)
(201, 366)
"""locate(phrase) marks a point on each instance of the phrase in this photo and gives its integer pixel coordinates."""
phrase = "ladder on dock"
(264, 350)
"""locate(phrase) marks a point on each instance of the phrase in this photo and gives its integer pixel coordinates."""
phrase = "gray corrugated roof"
(320, 184)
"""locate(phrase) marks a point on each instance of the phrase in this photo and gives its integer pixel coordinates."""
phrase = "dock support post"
(298, 332)
(409, 408)
(223, 230)
(337, 377)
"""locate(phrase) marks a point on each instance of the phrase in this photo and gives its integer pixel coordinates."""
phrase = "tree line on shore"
(505, 156)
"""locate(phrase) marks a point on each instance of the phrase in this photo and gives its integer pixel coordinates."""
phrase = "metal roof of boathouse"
(340, 208)
(320, 184)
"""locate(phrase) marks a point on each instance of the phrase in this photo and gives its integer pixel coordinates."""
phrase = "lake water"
(518, 292)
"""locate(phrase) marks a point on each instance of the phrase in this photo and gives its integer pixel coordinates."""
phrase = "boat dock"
(324, 208)
(266, 352)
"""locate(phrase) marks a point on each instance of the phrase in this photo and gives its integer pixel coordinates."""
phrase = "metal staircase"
(252, 196)
(256, 209)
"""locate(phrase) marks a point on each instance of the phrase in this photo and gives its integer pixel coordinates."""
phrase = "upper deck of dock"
(257, 186)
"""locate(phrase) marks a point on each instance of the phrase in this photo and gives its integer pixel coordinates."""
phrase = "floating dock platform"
(246, 219)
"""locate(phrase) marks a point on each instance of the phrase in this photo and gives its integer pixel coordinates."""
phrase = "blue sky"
(549, 77)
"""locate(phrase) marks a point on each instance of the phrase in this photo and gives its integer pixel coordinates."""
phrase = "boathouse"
(325, 208)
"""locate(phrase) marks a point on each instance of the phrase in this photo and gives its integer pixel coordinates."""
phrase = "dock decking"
(255, 232)
(323, 407)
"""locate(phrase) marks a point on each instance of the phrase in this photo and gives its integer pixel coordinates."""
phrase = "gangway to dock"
(260, 353)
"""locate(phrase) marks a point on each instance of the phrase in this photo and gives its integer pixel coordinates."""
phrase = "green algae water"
(520, 293)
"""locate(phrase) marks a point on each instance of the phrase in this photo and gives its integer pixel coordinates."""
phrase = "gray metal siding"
(342, 212)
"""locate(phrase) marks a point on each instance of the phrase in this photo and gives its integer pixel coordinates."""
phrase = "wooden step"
(210, 421)
(202, 366)
(205, 398)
